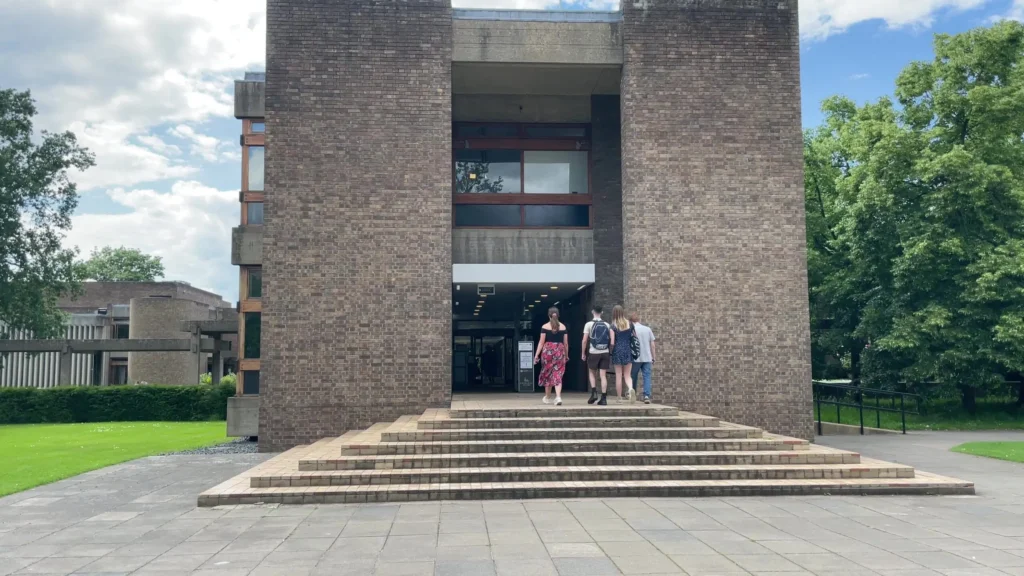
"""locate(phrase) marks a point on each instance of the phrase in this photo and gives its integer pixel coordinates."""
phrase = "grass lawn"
(996, 415)
(35, 454)
(1012, 451)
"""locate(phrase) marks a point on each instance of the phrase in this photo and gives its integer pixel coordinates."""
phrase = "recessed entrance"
(489, 320)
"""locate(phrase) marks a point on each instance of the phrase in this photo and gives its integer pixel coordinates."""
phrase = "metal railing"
(840, 395)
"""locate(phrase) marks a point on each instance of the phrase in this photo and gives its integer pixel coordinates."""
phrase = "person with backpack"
(644, 361)
(622, 353)
(598, 340)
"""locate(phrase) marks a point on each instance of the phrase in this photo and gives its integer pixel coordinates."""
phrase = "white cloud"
(820, 19)
(1016, 11)
(189, 227)
(157, 144)
(856, 77)
(206, 147)
(113, 70)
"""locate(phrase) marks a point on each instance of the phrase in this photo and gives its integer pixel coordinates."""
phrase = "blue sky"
(147, 85)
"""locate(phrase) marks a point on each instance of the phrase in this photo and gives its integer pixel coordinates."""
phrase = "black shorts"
(599, 361)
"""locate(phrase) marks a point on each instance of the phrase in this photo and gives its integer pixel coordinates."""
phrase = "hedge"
(114, 404)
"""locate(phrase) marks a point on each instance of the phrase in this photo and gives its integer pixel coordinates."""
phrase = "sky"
(147, 86)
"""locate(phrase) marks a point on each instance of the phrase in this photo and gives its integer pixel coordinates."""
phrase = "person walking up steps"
(622, 354)
(552, 352)
(598, 340)
(644, 364)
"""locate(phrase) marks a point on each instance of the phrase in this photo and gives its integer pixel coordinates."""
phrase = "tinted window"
(255, 283)
(258, 127)
(484, 215)
(556, 131)
(256, 168)
(254, 213)
(121, 331)
(556, 172)
(487, 171)
(486, 131)
(558, 216)
(251, 382)
(252, 335)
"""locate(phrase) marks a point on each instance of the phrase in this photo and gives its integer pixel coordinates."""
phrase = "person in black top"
(553, 351)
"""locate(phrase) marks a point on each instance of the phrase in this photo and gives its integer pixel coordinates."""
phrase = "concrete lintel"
(247, 246)
(127, 345)
(523, 273)
(537, 42)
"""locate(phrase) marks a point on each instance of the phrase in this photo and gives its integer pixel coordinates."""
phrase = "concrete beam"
(129, 345)
(211, 326)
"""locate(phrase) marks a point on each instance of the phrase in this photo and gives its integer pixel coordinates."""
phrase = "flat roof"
(537, 15)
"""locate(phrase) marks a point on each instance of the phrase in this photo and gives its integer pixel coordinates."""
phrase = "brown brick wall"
(713, 205)
(606, 171)
(162, 318)
(357, 240)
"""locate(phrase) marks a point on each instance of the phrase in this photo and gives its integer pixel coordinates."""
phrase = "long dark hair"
(555, 324)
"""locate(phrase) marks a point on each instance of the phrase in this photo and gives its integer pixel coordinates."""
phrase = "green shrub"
(114, 404)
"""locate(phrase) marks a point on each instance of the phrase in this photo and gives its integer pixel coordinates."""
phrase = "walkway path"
(140, 518)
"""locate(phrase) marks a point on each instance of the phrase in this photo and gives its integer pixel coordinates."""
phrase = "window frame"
(524, 143)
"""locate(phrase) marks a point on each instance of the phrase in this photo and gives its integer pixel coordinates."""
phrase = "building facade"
(434, 179)
(118, 311)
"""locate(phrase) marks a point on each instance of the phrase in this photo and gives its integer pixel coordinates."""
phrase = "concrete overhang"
(247, 246)
(535, 79)
(517, 41)
(249, 98)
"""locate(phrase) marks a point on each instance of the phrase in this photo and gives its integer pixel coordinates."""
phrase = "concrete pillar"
(218, 361)
(64, 370)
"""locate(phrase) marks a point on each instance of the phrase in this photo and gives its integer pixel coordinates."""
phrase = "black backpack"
(600, 336)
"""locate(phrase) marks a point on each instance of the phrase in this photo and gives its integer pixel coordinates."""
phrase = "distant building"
(119, 310)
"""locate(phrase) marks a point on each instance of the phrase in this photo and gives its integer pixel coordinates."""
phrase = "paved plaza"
(141, 518)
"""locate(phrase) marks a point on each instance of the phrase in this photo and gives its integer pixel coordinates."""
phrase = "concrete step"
(660, 432)
(920, 484)
(559, 445)
(580, 474)
(678, 421)
(813, 456)
(612, 410)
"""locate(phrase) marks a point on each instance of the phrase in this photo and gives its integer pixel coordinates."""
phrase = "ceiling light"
(536, 301)
(581, 287)
(554, 287)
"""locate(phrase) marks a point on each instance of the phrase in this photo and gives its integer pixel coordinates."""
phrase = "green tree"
(917, 246)
(37, 199)
(122, 265)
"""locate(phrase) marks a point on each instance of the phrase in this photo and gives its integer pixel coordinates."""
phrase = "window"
(258, 127)
(487, 215)
(251, 347)
(254, 213)
(521, 175)
(120, 331)
(555, 172)
(255, 168)
(487, 171)
(486, 131)
(251, 382)
(545, 131)
(557, 216)
(255, 283)
(118, 373)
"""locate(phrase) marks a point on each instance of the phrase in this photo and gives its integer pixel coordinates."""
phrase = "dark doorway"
(488, 324)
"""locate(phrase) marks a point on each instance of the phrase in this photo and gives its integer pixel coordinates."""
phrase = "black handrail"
(858, 394)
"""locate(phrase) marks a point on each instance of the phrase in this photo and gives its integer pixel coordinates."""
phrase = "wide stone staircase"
(507, 450)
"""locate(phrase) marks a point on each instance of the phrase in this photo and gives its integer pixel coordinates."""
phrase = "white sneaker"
(632, 396)
(558, 400)
(545, 400)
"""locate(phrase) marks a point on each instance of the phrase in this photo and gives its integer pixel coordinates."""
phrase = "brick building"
(117, 311)
(436, 178)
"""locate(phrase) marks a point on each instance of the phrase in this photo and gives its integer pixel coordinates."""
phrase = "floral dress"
(621, 353)
(552, 358)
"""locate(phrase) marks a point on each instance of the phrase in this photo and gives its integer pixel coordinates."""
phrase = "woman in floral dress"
(552, 352)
